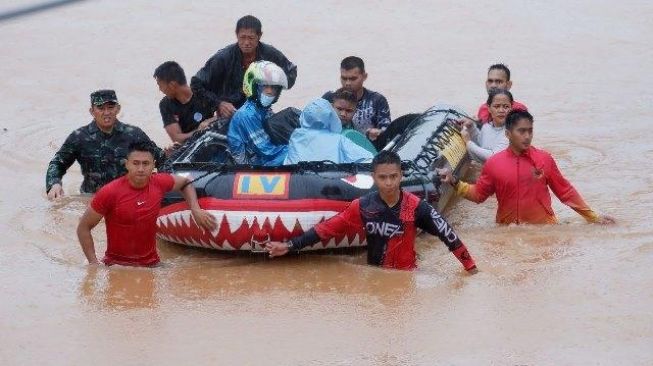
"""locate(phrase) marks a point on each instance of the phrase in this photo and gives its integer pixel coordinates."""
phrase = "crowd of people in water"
(236, 88)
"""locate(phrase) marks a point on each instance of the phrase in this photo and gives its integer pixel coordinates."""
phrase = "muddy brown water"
(571, 294)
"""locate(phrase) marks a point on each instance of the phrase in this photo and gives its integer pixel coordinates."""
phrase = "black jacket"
(221, 78)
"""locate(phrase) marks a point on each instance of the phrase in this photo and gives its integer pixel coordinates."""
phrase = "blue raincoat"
(319, 138)
(248, 141)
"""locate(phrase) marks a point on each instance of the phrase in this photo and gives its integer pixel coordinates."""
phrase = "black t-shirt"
(188, 115)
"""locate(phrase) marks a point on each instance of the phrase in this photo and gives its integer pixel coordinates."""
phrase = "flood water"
(570, 294)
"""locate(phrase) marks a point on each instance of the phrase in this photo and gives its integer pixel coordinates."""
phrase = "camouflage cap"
(100, 97)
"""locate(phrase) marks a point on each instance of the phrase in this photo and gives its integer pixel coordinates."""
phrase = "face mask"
(266, 100)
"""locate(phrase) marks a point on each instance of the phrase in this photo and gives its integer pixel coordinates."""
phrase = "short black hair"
(142, 146)
(352, 62)
(515, 115)
(495, 92)
(501, 67)
(386, 157)
(170, 71)
(345, 94)
(249, 22)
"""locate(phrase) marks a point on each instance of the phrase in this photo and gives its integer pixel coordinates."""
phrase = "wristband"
(464, 257)
(454, 181)
(291, 246)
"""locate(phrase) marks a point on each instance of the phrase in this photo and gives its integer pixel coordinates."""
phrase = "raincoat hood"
(320, 115)
(319, 138)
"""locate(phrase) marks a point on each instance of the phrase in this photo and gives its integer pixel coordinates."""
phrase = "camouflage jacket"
(101, 156)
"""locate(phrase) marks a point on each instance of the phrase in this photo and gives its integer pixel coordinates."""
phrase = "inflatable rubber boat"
(254, 204)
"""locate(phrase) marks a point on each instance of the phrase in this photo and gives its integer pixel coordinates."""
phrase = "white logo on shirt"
(138, 203)
(443, 227)
(383, 229)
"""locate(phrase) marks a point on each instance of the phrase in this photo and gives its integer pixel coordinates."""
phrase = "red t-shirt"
(130, 217)
(483, 113)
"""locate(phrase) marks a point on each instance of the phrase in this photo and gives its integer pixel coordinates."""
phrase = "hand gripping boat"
(255, 204)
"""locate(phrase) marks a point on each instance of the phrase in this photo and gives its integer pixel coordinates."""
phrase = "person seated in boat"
(521, 177)
(372, 115)
(319, 138)
(498, 77)
(344, 102)
(183, 111)
(390, 217)
(100, 148)
(492, 136)
(248, 141)
(130, 207)
(221, 77)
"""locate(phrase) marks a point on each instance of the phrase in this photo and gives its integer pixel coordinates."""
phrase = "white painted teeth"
(331, 243)
(288, 221)
(355, 241)
(183, 217)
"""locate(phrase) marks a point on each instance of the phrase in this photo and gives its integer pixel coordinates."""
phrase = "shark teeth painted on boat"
(236, 228)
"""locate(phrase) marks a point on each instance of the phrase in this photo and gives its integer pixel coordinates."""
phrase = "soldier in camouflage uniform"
(100, 147)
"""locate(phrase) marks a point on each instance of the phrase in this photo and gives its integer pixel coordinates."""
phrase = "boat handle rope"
(258, 246)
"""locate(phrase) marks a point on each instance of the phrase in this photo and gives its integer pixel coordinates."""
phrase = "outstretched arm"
(430, 220)
(201, 217)
(58, 166)
(89, 220)
(568, 195)
(482, 153)
(478, 192)
(335, 226)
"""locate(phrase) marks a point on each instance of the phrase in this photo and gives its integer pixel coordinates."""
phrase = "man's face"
(247, 40)
(270, 90)
(387, 178)
(497, 79)
(521, 135)
(345, 110)
(105, 115)
(140, 165)
(167, 88)
(352, 79)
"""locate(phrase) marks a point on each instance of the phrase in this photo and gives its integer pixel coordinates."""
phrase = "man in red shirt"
(521, 176)
(130, 206)
(498, 77)
(390, 218)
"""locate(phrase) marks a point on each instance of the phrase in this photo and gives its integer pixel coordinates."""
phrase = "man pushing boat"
(390, 217)
(521, 176)
(130, 206)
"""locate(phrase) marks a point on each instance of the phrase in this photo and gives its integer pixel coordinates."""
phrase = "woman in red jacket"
(521, 176)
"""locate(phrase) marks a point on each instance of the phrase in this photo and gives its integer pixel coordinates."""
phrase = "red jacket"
(521, 183)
